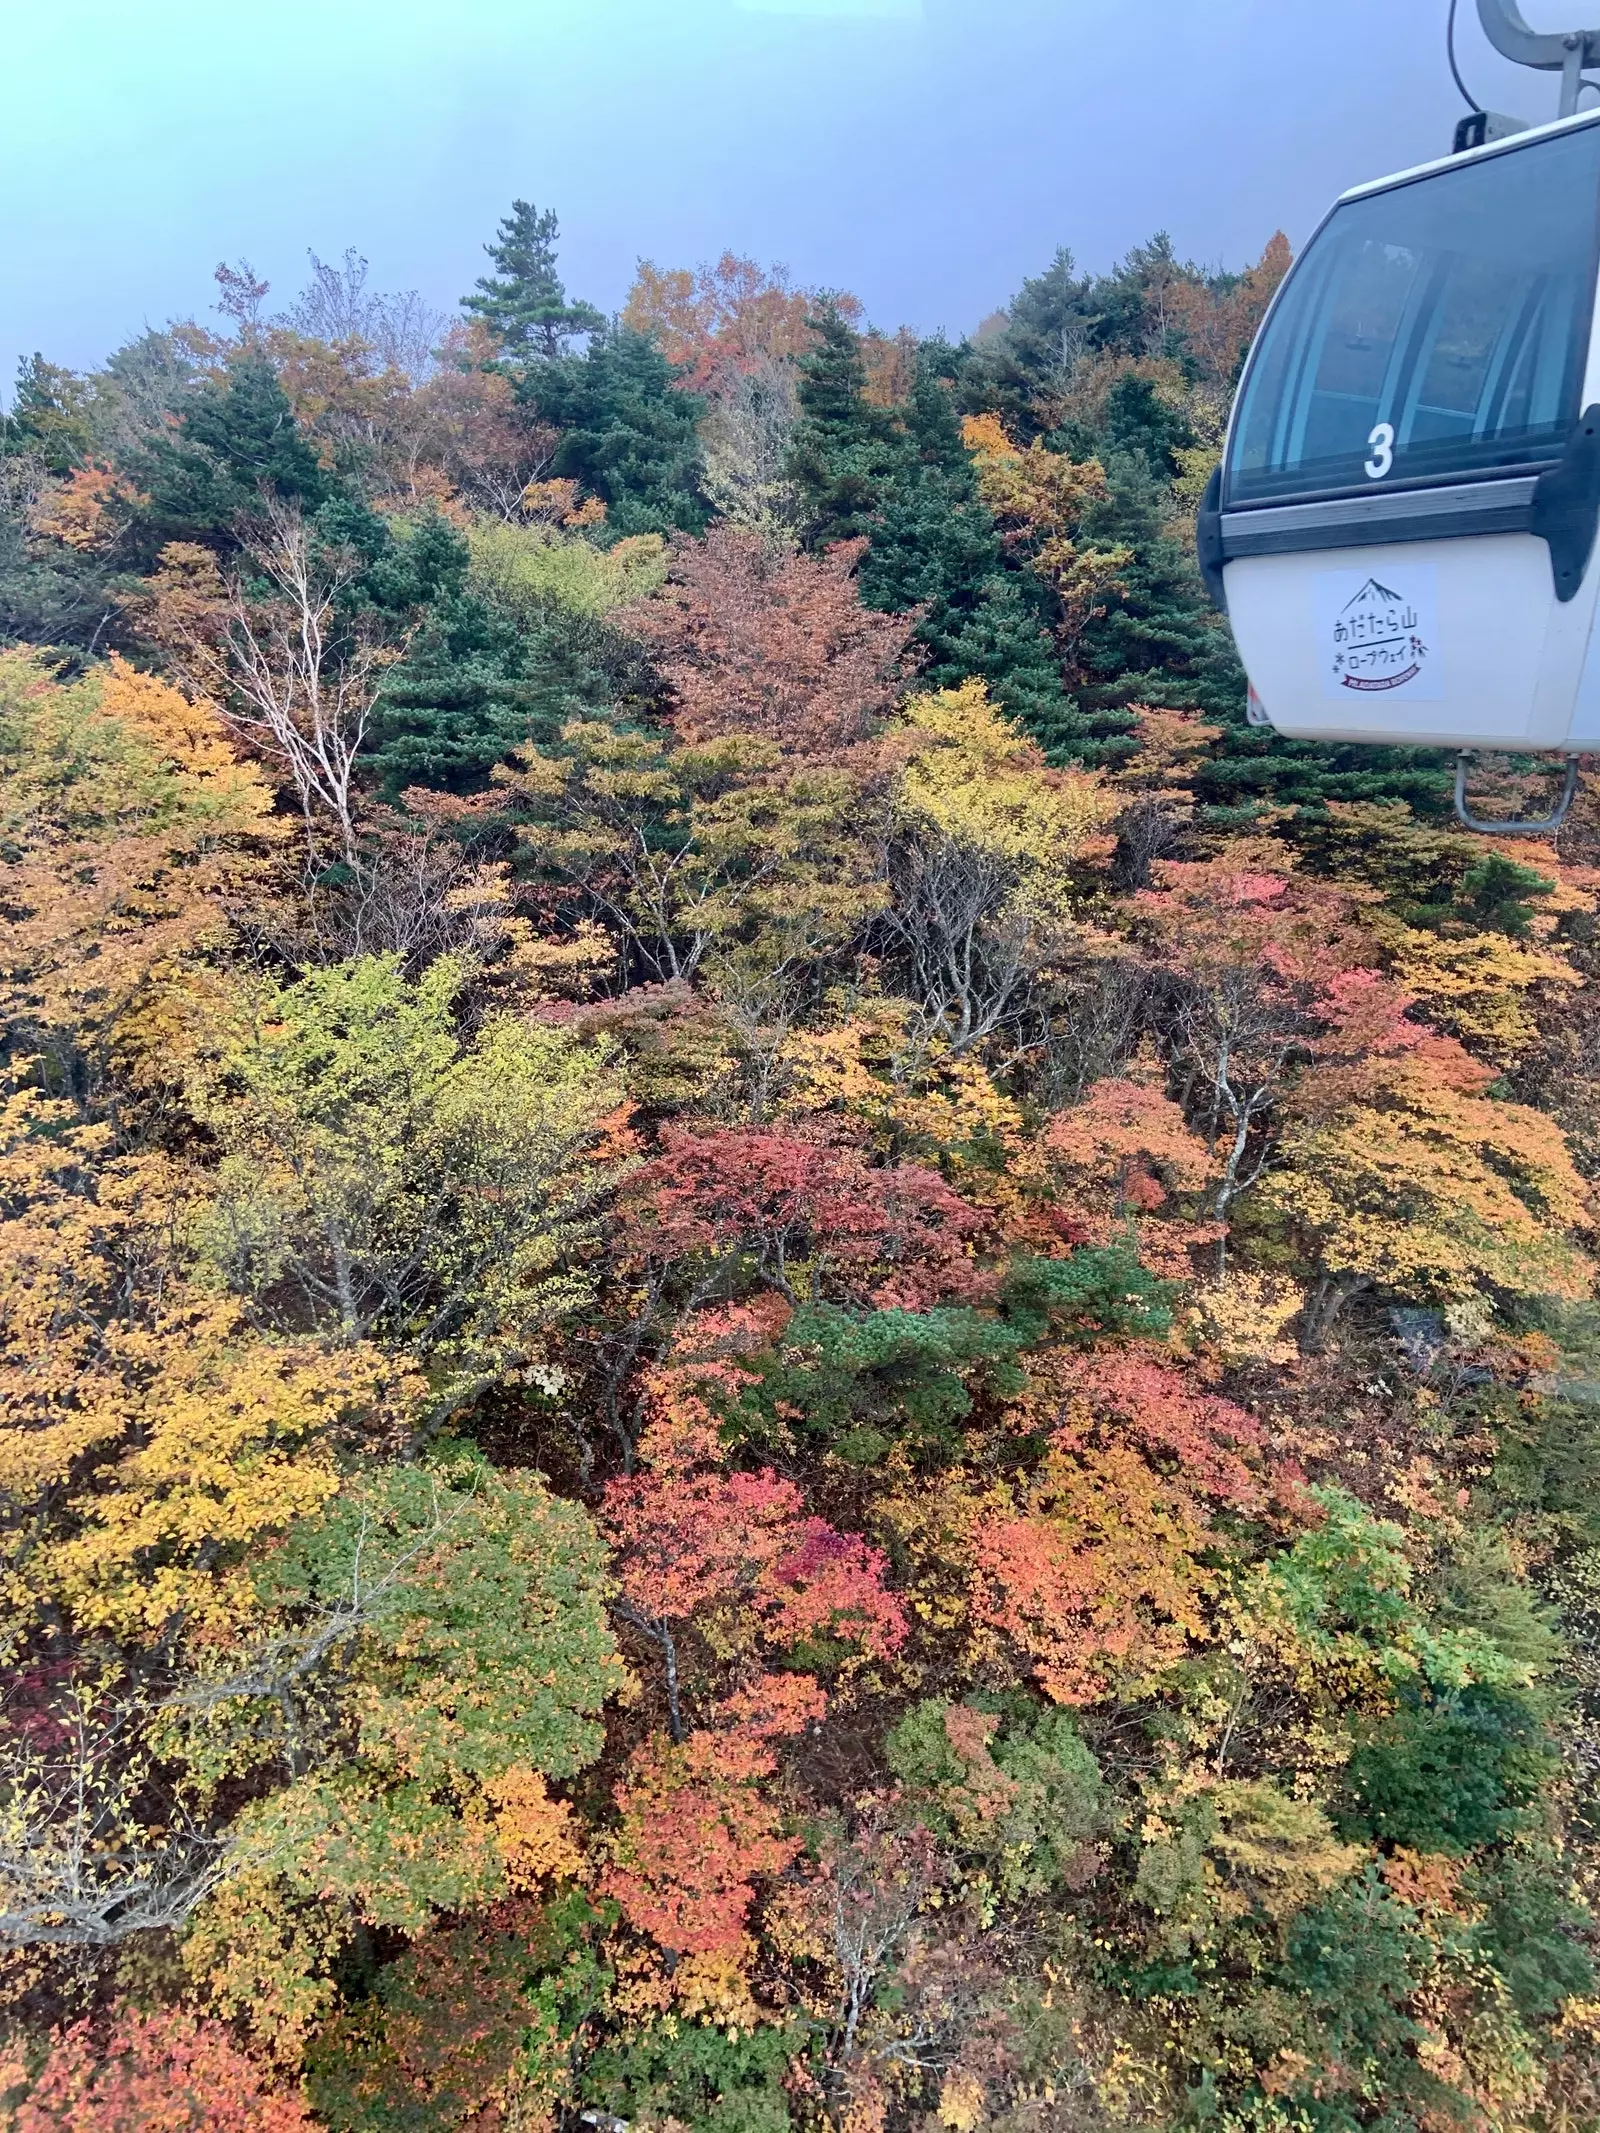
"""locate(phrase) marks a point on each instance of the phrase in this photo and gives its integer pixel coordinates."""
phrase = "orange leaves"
(556, 503)
(1248, 911)
(129, 821)
(695, 1540)
(722, 320)
(1099, 1581)
(1129, 1140)
(1040, 497)
(1095, 1575)
(158, 2073)
(699, 1825)
(1172, 747)
(538, 1837)
(1128, 1393)
(1402, 1170)
(1116, 1157)
(79, 512)
(1219, 325)
(774, 645)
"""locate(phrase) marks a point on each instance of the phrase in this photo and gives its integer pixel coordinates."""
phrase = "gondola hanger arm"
(1563, 52)
(1540, 828)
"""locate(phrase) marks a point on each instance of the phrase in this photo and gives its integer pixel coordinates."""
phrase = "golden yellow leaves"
(229, 1439)
(1040, 498)
(538, 1837)
(131, 825)
(1426, 1184)
(1245, 1316)
(975, 776)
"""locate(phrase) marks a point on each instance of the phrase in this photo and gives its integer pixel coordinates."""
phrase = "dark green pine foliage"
(845, 450)
(475, 682)
(525, 305)
(1160, 643)
(1126, 307)
(631, 436)
(934, 546)
(50, 419)
(235, 439)
(1047, 328)
(1139, 423)
(1252, 767)
(50, 594)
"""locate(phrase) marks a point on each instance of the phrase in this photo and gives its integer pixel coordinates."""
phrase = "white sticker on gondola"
(1378, 636)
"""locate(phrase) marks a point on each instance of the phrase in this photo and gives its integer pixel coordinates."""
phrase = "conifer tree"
(844, 450)
(236, 437)
(630, 435)
(1160, 642)
(525, 305)
(1046, 329)
(50, 416)
(934, 546)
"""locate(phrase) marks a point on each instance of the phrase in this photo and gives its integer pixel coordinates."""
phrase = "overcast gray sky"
(925, 153)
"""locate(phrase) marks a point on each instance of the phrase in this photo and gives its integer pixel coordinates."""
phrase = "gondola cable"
(1467, 96)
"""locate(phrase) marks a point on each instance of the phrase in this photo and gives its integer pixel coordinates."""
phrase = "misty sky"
(925, 153)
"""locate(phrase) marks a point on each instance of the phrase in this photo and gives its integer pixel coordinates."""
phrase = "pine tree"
(236, 437)
(50, 416)
(632, 436)
(1047, 328)
(525, 306)
(1160, 642)
(934, 546)
(845, 449)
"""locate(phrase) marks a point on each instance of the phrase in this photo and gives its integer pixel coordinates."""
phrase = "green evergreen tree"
(236, 437)
(1160, 643)
(934, 546)
(475, 682)
(1047, 328)
(1126, 311)
(1139, 422)
(525, 305)
(51, 417)
(631, 436)
(845, 451)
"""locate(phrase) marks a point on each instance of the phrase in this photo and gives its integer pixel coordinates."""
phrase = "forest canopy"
(779, 1347)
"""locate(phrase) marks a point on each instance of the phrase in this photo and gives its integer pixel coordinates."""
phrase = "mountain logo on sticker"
(1377, 640)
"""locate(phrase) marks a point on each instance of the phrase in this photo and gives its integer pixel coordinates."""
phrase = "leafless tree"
(1236, 1037)
(746, 439)
(292, 672)
(400, 327)
(1091, 1019)
(966, 945)
(78, 1865)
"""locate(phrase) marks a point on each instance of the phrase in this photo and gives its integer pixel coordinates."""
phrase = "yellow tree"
(977, 863)
(130, 828)
(1404, 1172)
(1039, 498)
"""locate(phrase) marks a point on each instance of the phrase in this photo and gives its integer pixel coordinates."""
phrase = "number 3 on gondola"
(1378, 634)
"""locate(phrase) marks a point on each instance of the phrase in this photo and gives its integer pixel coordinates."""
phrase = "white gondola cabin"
(1402, 531)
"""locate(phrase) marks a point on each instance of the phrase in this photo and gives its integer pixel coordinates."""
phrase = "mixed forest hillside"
(778, 1346)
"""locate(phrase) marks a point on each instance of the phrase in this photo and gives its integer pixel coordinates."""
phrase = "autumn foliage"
(779, 1348)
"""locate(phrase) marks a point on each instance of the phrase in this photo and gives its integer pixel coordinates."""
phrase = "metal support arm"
(1563, 52)
(1545, 823)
